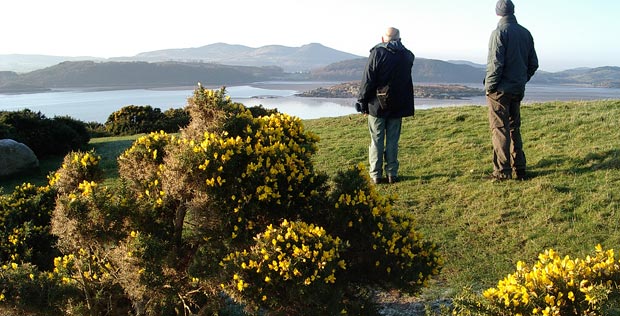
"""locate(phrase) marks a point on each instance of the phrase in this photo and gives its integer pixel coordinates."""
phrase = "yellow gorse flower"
(291, 251)
(555, 283)
(87, 187)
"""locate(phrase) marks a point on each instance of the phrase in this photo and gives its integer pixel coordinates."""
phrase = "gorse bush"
(28, 278)
(24, 220)
(29, 291)
(219, 187)
(384, 247)
(148, 153)
(295, 262)
(77, 167)
(231, 206)
(555, 285)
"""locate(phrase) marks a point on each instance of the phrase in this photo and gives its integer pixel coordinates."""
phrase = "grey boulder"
(16, 157)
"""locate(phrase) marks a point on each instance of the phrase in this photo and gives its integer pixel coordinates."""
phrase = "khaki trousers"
(384, 137)
(505, 124)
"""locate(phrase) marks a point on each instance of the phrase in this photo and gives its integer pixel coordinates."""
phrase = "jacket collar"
(507, 19)
(392, 46)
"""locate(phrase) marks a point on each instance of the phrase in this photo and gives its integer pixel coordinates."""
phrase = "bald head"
(391, 34)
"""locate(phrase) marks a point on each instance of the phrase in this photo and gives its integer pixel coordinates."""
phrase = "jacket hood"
(391, 46)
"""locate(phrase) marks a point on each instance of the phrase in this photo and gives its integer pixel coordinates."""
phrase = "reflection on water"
(305, 108)
(269, 96)
(98, 105)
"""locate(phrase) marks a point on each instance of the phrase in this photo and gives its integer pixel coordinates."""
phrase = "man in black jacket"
(389, 65)
(511, 62)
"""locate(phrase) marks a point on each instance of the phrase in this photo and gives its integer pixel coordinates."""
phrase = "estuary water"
(96, 106)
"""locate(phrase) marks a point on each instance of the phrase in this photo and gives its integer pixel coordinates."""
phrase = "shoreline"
(299, 86)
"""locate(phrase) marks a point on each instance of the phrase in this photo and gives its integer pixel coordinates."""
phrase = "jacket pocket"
(383, 95)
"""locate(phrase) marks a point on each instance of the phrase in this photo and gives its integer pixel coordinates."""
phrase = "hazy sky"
(567, 33)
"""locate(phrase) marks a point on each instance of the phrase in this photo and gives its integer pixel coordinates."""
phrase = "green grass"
(37, 177)
(483, 228)
(109, 148)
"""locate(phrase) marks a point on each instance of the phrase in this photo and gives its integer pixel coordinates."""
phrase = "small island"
(429, 91)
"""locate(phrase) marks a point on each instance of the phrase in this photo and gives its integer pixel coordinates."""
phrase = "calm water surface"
(96, 106)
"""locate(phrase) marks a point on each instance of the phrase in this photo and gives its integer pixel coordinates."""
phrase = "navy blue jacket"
(384, 59)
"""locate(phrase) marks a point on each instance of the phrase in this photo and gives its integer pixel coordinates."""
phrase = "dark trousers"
(505, 123)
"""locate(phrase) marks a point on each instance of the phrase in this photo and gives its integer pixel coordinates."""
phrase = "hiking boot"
(521, 175)
(377, 180)
(392, 179)
(496, 178)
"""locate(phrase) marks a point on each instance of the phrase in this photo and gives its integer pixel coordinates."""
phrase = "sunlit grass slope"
(571, 203)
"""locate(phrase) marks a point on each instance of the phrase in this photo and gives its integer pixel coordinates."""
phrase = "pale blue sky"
(567, 33)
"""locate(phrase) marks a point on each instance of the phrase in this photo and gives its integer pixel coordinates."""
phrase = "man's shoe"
(392, 179)
(495, 178)
(521, 175)
(377, 180)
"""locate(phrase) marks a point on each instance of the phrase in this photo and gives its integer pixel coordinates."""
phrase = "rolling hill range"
(85, 74)
(290, 59)
(225, 64)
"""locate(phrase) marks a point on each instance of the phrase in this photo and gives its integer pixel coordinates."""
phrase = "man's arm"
(495, 62)
(532, 62)
(368, 85)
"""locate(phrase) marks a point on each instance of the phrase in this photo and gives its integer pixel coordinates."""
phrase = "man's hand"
(361, 107)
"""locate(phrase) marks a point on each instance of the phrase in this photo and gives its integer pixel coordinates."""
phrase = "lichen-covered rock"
(16, 157)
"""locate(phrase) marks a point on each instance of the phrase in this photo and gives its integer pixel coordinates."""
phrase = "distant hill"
(291, 59)
(212, 53)
(432, 70)
(437, 71)
(424, 70)
(22, 63)
(466, 62)
(604, 77)
(346, 70)
(134, 74)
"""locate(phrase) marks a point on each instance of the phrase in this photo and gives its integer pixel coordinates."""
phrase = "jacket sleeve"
(495, 62)
(532, 62)
(368, 86)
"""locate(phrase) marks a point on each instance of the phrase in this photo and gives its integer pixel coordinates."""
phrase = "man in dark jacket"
(511, 62)
(389, 64)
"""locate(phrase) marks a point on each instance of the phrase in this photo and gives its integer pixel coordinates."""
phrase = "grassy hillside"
(483, 228)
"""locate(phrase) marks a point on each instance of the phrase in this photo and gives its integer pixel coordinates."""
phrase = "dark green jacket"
(512, 59)
(383, 62)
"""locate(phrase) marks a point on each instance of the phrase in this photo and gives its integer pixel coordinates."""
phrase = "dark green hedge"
(134, 119)
(45, 136)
